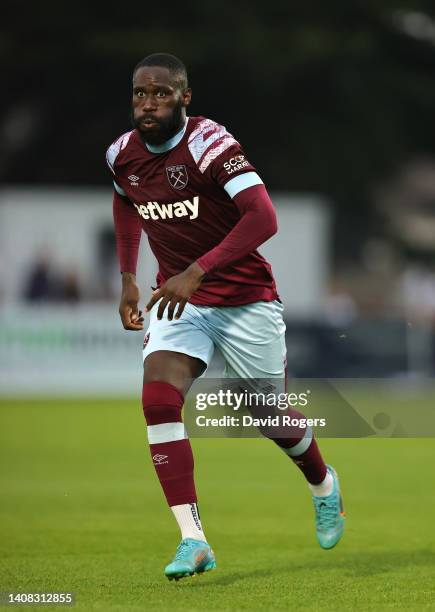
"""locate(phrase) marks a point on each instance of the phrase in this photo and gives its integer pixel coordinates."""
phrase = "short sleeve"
(219, 156)
(114, 150)
(233, 171)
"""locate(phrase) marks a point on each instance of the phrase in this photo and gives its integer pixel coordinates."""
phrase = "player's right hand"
(129, 312)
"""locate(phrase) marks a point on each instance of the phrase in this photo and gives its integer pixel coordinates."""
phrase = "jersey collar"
(169, 144)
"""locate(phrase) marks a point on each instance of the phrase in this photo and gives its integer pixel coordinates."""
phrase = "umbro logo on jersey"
(156, 211)
(177, 176)
(160, 459)
(133, 180)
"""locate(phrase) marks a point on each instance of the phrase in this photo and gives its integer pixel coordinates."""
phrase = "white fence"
(83, 349)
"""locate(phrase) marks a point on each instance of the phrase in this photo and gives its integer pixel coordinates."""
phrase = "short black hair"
(166, 60)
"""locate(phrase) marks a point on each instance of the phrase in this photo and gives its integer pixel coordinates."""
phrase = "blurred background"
(334, 105)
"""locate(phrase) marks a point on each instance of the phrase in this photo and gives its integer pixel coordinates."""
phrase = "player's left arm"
(257, 224)
(232, 171)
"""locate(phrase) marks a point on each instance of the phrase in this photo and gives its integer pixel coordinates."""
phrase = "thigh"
(176, 369)
(176, 351)
(251, 339)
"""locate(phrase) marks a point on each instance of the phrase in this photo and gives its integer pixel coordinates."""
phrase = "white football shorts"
(251, 338)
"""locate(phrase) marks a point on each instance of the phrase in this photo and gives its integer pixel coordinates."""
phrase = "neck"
(171, 142)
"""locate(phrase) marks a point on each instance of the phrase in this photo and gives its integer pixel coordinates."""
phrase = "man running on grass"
(185, 182)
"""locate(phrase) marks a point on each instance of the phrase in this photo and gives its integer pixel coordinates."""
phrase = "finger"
(129, 323)
(134, 326)
(155, 298)
(140, 317)
(162, 306)
(173, 303)
(181, 306)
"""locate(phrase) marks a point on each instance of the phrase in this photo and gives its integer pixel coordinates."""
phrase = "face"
(159, 104)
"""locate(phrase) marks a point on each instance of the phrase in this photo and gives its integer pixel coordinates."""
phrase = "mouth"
(148, 122)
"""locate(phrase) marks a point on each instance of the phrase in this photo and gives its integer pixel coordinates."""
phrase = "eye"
(140, 94)
(161, 94)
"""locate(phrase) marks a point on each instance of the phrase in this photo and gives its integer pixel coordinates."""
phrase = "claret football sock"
(188, 520)
(309, 461)
(169, 445)
(172, 455)
(303, 451)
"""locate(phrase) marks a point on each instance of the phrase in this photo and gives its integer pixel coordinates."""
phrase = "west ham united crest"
(177, 176)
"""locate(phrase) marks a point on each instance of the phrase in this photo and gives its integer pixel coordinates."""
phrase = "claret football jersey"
(182, 191)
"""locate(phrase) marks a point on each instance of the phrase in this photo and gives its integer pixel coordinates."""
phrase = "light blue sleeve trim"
(118, 189)
(241, 182)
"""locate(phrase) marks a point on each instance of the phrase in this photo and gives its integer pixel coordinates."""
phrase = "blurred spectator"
(44, 284)
(70, 288)
(40, 284)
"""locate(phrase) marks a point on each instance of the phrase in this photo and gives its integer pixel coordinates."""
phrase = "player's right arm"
(128, 231)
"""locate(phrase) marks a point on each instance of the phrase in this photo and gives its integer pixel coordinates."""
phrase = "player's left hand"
(177, 290)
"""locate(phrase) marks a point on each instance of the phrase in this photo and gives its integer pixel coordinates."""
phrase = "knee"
(161, 402)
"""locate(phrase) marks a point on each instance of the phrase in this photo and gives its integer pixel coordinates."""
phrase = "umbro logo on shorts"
(160, 459)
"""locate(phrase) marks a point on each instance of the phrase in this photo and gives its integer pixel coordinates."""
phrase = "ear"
(187, 96)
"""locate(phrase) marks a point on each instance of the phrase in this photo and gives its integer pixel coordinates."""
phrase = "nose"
(148, 104)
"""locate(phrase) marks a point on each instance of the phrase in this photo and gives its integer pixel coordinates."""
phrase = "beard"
(164, 128)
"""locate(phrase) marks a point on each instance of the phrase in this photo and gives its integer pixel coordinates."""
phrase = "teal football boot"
(192, 557)
(329, 514)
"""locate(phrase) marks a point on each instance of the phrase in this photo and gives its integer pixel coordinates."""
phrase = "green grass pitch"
(81, 511)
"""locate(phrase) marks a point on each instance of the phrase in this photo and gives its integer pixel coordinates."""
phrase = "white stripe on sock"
(166, 432)
(302, 446)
